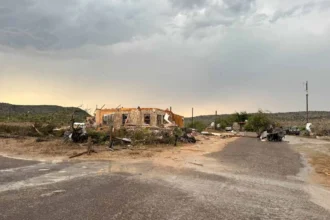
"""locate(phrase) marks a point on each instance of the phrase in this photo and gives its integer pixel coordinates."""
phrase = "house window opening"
(124, 119)
(147, 119)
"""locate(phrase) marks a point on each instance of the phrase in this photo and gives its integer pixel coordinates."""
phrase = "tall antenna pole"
(307, 118)
(192, 117)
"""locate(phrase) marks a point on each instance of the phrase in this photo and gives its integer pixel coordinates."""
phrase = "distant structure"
(120, 117)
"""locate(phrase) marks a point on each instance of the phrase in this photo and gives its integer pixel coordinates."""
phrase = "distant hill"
(285, 118)
(40, 113)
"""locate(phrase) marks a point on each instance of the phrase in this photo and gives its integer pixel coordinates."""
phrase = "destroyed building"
(137, 117)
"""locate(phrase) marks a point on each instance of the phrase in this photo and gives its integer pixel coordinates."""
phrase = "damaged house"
(137, 117)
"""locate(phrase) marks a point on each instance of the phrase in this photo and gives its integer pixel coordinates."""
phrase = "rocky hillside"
(39, 113)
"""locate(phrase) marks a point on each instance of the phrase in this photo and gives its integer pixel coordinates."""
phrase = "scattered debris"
(206, 133)
(34, 127)
(77, 133)
(263, 136)
(197, 164)
(217, 134)
(188, 138)
(275, 135)
(89, 149)
(85, 152)
(39, 139)
(52, 193)
(41, 170)
(125, 140)
(293, 131)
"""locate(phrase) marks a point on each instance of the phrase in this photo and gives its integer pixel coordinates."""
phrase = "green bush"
(239, 117)
(198, 125)
(249, 127)
(122, 132)
(18, 130)
(47, 129)
(98, 137)
(258, 122)
(139, 135)
(225, 122)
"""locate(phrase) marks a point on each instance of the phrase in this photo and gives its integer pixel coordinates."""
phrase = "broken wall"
(136, 116)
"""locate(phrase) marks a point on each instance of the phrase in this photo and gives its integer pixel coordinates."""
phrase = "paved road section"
(254, 157)
(7, 163)
(262, 181)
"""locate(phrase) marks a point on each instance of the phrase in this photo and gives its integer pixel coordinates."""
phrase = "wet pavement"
(262, 181)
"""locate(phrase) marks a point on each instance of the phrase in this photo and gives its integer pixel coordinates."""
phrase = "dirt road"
(246, 179)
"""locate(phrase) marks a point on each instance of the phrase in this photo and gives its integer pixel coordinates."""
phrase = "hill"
(40, 113)
(285, 118)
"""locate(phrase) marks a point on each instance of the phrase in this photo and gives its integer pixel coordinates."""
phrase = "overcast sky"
(225, 55)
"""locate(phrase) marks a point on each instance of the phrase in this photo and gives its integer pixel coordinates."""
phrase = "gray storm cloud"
(212, 52)
(63, 24)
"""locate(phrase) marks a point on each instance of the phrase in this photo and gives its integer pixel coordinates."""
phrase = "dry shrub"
(148, 154)
(18, 130)
(321, 129)
(134, 153)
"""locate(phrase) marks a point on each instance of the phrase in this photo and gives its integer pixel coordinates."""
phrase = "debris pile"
(77, 132)
(146, 135)
(273, 135)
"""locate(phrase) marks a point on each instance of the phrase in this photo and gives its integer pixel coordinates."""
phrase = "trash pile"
(153, 135)
(273, 135)
(77, 134)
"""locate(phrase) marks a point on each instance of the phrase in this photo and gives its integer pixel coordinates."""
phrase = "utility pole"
(307, 115)
(215, 120)
(192, 117)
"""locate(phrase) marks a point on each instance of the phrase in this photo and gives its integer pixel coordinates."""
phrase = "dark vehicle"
(293, 131)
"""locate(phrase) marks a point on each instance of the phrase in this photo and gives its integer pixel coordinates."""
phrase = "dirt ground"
(317, 154)
(181, 156)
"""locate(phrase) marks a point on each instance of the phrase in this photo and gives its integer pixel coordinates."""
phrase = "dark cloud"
(187, 4)
(200, 51)
(69, 24)
(214, 15)
(299, 10)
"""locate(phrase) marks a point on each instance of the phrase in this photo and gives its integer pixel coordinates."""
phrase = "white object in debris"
(216, 134)
(308, 127)
(127, 139)
(263, 136)
(166, 117)
(212, 124)
(80, 125)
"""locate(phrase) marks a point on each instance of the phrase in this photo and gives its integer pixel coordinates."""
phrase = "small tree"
(258, 122)
(198, 125)
(239, 117)
(229, 120)
(224, 122)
